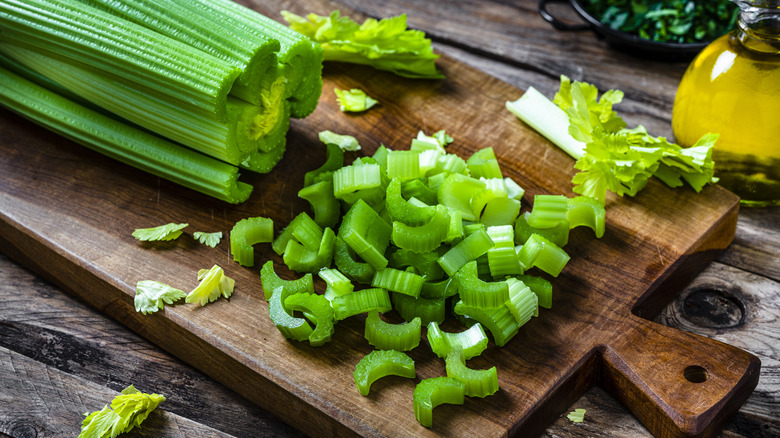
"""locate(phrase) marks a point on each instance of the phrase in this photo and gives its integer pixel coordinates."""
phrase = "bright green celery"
(116, 48)
(416, 188)
(366, 233)
(308, 233)
(404, 165)
(395, 280)
(439, 289)
(500, 211)
(337, 283)
(584, 210)
(494, 189)
(122, 142)
(456, 192)
(543, 254)
(548, 211)
(513, 190)
(318, 309)
(402, 210)
(423, 238)
(477, 383)
(302, 259)
(209, 32)
(270, 281)
(499, 321)
(477, 293)
(558, 234)
(449, 164)
(380, 156)
(302, 220)
(523, 303)
(361, 301)
(433, 309)
(471, 342)
(334, 161)
(425, 263)
(349, 263)
(326, 208)
(354, 100)
(381, 363)
(502, 257)
(387, 336)
(483, 164)
(433, 392)
(350, 179)
(289, 326)
(540, 287)
(246, 233)
(468, 249)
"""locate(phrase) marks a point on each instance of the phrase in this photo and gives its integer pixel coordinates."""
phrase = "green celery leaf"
(127, 410)
(151, 296)
(209, 239)
(165, 232)
(345, 142)
(354, 100)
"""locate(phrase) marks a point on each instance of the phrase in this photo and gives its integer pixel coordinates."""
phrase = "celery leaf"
(209, 239)
(384, 44)
(151, 296)
(576, 416)
(213, 284)
(354, 100)
(129, 409)
(165, 232)
(345, 142)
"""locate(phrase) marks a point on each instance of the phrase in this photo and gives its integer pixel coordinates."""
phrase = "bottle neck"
(758, 25)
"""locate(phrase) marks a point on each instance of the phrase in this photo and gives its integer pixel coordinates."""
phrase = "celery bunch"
(214, 80)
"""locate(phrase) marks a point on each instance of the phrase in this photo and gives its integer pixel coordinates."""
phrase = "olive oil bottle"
(733, 88)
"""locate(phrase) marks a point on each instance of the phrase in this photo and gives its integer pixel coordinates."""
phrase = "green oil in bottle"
(733, 88)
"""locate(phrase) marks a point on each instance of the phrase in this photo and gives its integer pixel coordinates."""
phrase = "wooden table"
(54, 349)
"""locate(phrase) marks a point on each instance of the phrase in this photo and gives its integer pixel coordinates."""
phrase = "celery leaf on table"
(213, 284)
(129, 409)
(354, 100)
(209, 239)
(165, 232)
(151, 296)
(345, 142)
(384, 44)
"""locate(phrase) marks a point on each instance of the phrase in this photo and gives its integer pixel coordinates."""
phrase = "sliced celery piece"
(541, 287)
(395, 280)
(280, 243)
(483, 164)
(337, 283)
(559, 234)
(434, 391)
(425, 263)
(456, 191)
(122, 142)
(381, 363)
(288, 325)
(334, 160)
(433, 309)
(354, 100)
(495, 188)
(477, 293)
(478, 383)
(416, 188)
(349, 263)
(468, 249)
(404, 211)
(386, 336)
(500, 211)
(471, 342)
(318, 308)
(543, 254)
(440, 289)
(522, 303)
(587, 211)
(271, 281)
(366, 233)
(502, 257)
(361, 301)
(499, 321)
(246, 233)
(403, 165)
(344, 142)
(449, 164)
(349, 179)
(302, 259)
(423, 238)
(548, 211)
(326, 207)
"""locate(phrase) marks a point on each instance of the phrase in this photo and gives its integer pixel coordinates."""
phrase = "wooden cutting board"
(68, 213)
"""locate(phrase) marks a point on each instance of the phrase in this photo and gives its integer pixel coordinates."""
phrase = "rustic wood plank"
(756, 246)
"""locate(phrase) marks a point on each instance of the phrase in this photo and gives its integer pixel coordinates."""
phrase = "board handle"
(676, 383)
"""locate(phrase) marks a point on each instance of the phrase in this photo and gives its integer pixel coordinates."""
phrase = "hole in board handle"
(695, 374)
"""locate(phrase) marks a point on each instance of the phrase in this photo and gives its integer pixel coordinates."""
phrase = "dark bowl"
(626, 42)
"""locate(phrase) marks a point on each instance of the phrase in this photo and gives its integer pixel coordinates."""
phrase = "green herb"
(354, 100)
(151, 296)
(127, 410)
(576, 416)
(213, 284)
(383, 44)
(676, 21)
(165, 232)
(208, 239)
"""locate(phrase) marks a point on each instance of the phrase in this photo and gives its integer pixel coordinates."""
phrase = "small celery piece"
(455, 229)
(456, 191)
(151, 296)
(500, 211)
(386, 336)
(576, 416)
(424, 263)
(395, 280)
(499, 321)
(471, 342)
(381, 363)
(404, 211)
(416, 188)
(548, 211)
(366, 233)
(333, 162)
(558, 234)
(440, 289)
(404, 165)
(433, 309)
(326, 207)
(478, 383)
(584, 210)
(483, 164)
(351, 179)
(344, 142)
(438, 141)
(337, 283)
(280, 243)
(513, 190)
(381, 157)
(450, 164)
(354, 100)
(299, 258)
(361, 301)
(347, 261)
(468, 249)
(540, 287)
(502, 257)
(208, 239)
(495, 188)
(318, 309)
(271, 282)
(423, 238)
(213, 284)
(543, 254)
(288, 325)
(385, 44)
(477, 293)
(522, 303)
(246, 233)
(162, 233)
(434, 391)
(128, 410)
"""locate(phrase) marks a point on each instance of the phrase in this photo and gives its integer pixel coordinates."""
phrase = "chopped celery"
(477, 383)
(500, 211)
(354, 100)
(325, 206)
(333, 162)
(344, 142)
(386, 336)
(502, 257)
(427, 309)
(270, 282)
(381, 363)
(337, 283)
(351, 179)
(456, 192)
(347, 261)
(434, 391)
(477, 293)
(416, 188)
(468, 249)
(440, 289)
(471, 342)
(280, 242)
(499, 321)
(402, 210)
(543, 254)
(366, 233)
(361, 301)
(395, 280)
(558, 234)
(246, 233)
(522, 303)
(540, 287)
(425, 263)
(548, 211)
(288, 325)
(404, 165)
(483, 164)
(584, 210)
(423, 238)
(299, 258)
(321, 313)
(494, 188)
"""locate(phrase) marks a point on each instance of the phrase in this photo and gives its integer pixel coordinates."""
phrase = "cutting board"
(68, 213)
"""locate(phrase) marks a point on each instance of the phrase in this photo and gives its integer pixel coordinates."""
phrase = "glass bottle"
(733, 88)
